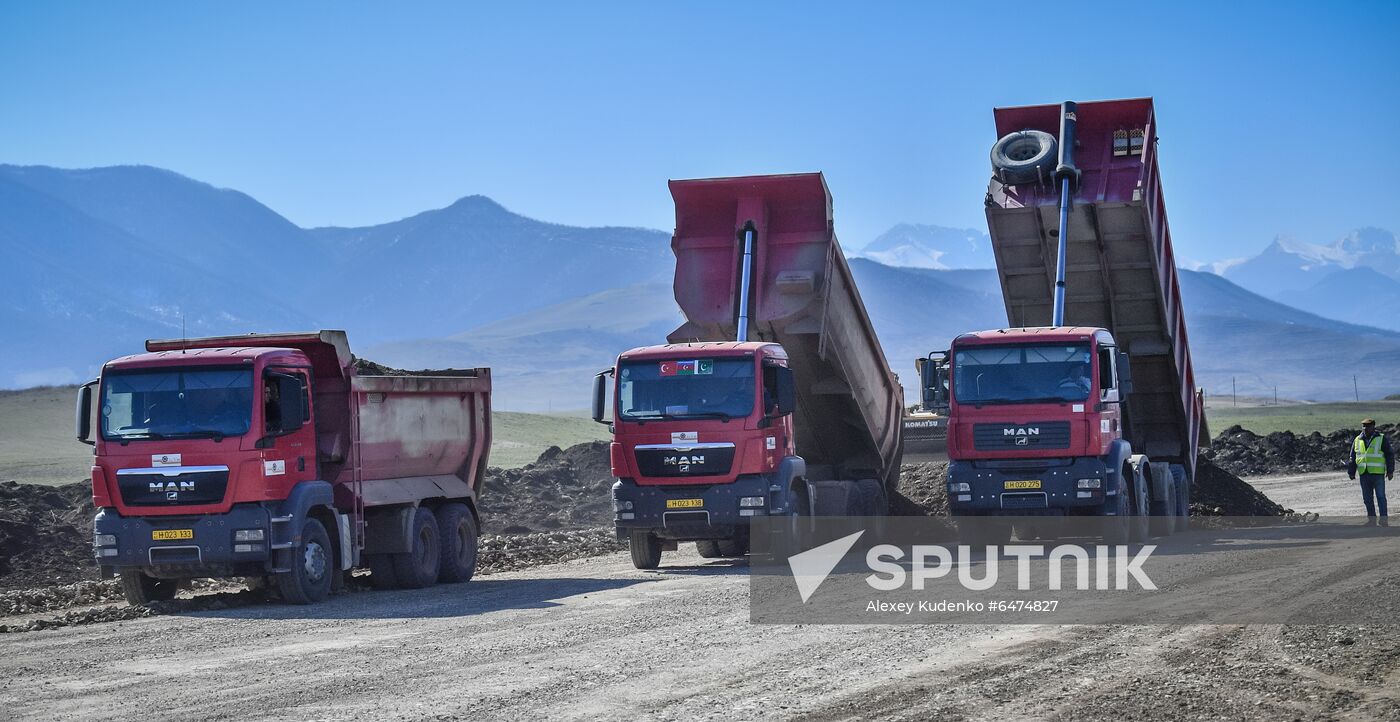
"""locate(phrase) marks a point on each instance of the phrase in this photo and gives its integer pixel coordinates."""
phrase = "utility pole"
(1234, 400)
(1354, 388)
(1275, 395)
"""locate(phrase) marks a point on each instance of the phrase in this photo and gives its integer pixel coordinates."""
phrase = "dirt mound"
(1217, 492)
(1243, 452)
(45, 534)
(923, 490)
(365, 367)
(565, 489)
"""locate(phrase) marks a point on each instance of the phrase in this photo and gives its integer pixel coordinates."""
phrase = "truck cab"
(702, 441)
(1036, 421)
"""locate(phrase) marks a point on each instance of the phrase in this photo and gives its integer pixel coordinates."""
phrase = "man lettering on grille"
(1373, 462)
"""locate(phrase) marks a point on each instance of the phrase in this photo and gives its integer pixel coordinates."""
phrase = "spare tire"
(1026, 156)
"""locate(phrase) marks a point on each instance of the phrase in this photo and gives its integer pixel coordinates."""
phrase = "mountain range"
(97, 260)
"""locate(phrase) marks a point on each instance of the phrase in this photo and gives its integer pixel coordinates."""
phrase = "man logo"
(1021, 431)
(1023, 441)
(172, 496)
(684, 462)
(170, 486)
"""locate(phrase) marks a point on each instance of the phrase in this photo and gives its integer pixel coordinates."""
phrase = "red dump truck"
(774, 397)
(1087, 404)
(268, 456)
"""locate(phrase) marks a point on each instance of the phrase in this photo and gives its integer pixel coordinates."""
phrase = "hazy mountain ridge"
(93, 272)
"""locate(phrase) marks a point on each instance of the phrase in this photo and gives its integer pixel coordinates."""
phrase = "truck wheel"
(1163, 520)
(646, 549)
(735, 546)
(313, 563)
(419, 567)
(1138, 532)
(1025, 156)
(873, 499)
(457, 529)
(708, 548)
(381, 571)
(1183, 497)
(1116, 528)
(835, 499)
(141, 588)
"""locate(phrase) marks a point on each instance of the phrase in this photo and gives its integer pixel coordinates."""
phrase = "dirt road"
(1327, 493)
(595, 638)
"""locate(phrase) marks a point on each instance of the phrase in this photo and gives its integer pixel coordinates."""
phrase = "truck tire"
(419, 567)
(645, 548)
(835, 499)
(1117, 526)
(735, 546)
(1183, 497)
(313, 562)
(1025, 156)
(873, 499)
(381, 571)
(141, 588)
(1163, 520)
(457, 530)
(708, 548)
(1138, 532)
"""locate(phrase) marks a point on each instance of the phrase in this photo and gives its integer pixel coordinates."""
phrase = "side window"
(1107, 378)
(770, 388)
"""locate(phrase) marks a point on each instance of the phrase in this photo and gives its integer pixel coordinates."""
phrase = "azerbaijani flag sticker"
(696, 367)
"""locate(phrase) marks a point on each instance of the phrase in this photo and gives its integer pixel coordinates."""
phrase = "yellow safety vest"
(1369, 459)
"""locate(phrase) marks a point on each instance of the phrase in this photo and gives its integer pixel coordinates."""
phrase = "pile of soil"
(45, 534)
(1217, 492)
(1245, 453)
(923, 490)
(563, 490)
(365, 367)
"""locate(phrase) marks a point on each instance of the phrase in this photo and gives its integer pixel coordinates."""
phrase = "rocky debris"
(509, 552)
(45, 534)
(365, 367)
(923, 490)
(1245, 453)
(1217, 492)
(565, 489)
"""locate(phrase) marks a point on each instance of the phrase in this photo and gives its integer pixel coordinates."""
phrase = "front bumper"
(1058, 490)
(716, 517)
(211, 550)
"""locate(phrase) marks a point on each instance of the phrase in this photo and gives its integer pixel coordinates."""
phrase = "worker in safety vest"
(1372, 461)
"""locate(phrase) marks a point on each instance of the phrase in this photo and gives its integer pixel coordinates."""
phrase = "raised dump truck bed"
(1121, 271)
(849, 403)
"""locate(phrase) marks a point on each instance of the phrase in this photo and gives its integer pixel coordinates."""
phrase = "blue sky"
(1275, 118)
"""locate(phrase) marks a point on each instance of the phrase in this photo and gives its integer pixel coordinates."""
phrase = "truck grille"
(685, 459)
(173, 486)
(1010, 437)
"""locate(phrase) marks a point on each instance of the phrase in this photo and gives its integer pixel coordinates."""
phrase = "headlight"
(248, 535)
(1091, 483)
(622, 505)
(752, 501)
(104, 540)
(959, 486)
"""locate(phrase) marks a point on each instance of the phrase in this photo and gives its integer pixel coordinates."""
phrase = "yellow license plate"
(1032, 484)
(684, 503)
(171, 534)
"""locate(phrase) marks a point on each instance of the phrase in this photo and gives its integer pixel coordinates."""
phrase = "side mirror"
(1125, 375)
(785, 392)
(600, 395)
(83, 414)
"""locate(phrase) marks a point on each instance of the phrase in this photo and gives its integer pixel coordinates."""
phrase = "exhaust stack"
(745, 279)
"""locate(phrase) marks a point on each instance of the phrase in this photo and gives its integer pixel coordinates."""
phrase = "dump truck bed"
(1121, 271)
(850, 405)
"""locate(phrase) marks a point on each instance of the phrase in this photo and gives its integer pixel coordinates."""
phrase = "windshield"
(177, 403)
(1021, 374)
(686, 388)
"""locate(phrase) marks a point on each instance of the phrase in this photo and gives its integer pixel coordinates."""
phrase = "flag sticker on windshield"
(697, 367)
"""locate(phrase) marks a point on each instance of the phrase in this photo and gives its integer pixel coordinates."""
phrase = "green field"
(37, 444)
(1301, 418)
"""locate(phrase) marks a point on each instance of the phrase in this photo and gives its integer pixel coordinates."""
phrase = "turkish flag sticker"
(668, 368)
